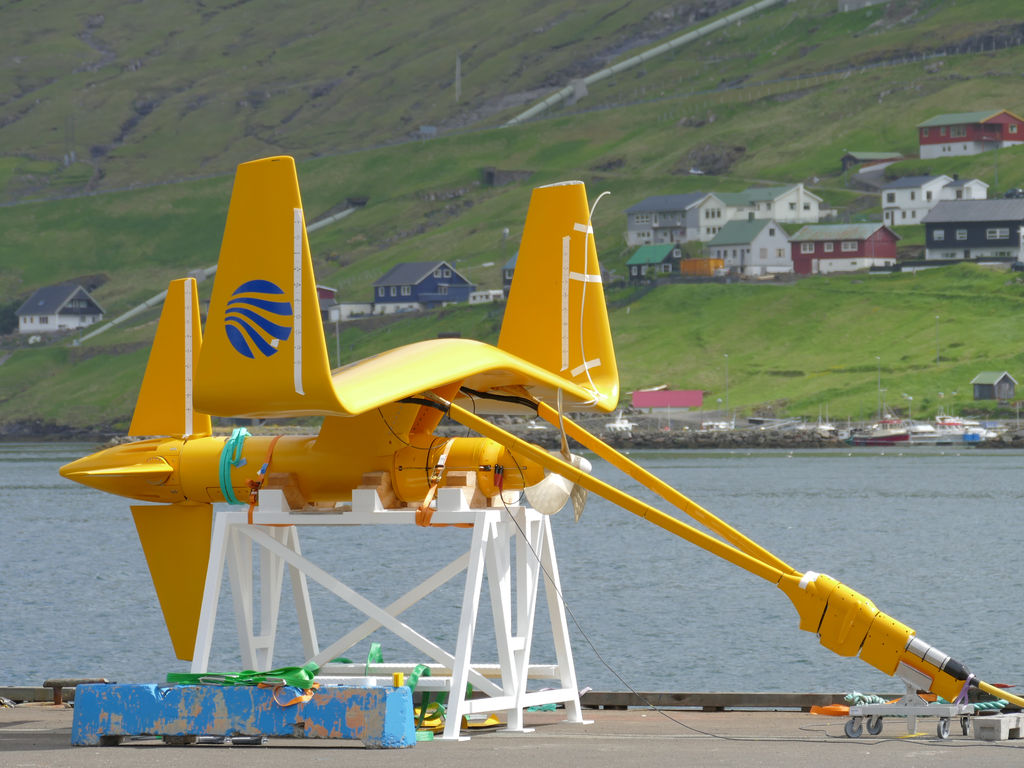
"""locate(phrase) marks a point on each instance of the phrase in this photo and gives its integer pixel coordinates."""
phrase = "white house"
(754, 247)
(791, 204)
(60, 307)
(964, 189)
(908, 200)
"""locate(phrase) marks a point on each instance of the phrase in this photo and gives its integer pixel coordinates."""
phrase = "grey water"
(930, 535)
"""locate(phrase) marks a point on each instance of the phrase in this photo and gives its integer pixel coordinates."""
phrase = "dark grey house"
(974, 229)
(664, 219)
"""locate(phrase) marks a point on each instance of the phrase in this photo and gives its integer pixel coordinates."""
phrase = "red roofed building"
(668, 398)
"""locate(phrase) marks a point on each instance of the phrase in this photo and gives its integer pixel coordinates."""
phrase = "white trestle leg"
(512, 546)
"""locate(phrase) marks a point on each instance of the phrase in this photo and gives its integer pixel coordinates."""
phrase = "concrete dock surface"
(38, 734)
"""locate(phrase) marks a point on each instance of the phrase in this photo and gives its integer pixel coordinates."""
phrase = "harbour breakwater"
(645, 436)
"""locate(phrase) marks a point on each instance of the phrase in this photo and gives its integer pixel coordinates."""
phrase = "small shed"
(652, 259)
(994, 385)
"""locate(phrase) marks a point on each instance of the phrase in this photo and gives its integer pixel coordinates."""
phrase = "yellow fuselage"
(170, 470)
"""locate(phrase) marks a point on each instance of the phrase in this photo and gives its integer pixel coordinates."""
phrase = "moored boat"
(888, 431)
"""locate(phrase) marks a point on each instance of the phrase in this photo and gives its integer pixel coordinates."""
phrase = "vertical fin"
(556, 315)
(176, 541)
(165, 404)
(264, 352)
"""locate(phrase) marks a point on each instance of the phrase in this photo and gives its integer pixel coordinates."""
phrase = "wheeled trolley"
(911, 706)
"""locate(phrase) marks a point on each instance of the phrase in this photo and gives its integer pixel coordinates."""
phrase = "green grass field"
(159, 109)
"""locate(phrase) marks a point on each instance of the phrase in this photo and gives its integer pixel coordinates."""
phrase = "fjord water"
(930, 535)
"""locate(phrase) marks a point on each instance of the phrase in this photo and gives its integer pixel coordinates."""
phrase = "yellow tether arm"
(695, 536)
(663, 489)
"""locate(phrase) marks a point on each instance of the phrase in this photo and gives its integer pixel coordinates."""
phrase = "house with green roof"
(969, 133)
(994, 385)
(753, 248)
(651, 260)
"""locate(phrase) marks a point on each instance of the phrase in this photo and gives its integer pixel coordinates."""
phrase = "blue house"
(419, 284)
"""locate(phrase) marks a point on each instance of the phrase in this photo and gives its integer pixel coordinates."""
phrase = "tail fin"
(556, 316)
(176, 541)
(165, 404)
(264, 352)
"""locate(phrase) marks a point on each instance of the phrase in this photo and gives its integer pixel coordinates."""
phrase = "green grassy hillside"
(779, 98)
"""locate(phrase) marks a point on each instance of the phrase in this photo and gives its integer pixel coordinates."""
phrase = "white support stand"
(513, 594)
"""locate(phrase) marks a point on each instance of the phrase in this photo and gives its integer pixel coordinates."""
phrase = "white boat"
(620, 424)
(922, 433)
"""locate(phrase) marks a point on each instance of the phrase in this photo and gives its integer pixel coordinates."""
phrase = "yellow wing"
(264, 352)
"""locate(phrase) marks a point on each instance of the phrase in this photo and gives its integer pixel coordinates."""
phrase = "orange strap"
(302, 698)
(424, 512)
(261, 475)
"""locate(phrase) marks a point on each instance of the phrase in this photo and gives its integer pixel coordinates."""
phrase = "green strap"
(421, 670)
(298, 677)
(375, 656)
(231, 456)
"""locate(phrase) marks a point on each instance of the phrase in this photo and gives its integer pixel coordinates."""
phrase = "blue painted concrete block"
(378, 716)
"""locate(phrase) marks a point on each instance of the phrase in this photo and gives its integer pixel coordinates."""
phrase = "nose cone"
(136, 470)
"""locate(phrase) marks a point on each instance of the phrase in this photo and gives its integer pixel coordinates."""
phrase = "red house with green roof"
(969, 133)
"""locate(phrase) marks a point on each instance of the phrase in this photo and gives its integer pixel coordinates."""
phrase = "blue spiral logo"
(256, 319)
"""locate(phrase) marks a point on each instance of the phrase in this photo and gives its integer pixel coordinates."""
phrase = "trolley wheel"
(965, 725)
(854, 727)
(942, 729)
(875, 725)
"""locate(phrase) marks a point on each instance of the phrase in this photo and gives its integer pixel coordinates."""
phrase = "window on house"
(942, 131)
(890, 197)
(642, 218)
(924, 132)
(829, 247)
(997, 233)
(913, 214)
(903, 214)
(437, 272)
(939, 234)
(848, 246)
(928, 195)
(961, 234)
(806, 247)
(393, 291)
(44, 320)
(792, 206)
(380, 292)
(443, 290)
(957, 131)
(913, 195)
(446, 273)
(407, 290)
(1012, 127)
(771, 231)
(807, 206)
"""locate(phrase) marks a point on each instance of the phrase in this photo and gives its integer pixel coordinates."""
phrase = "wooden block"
(381, 483)
(287, 484)
(467, 482)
